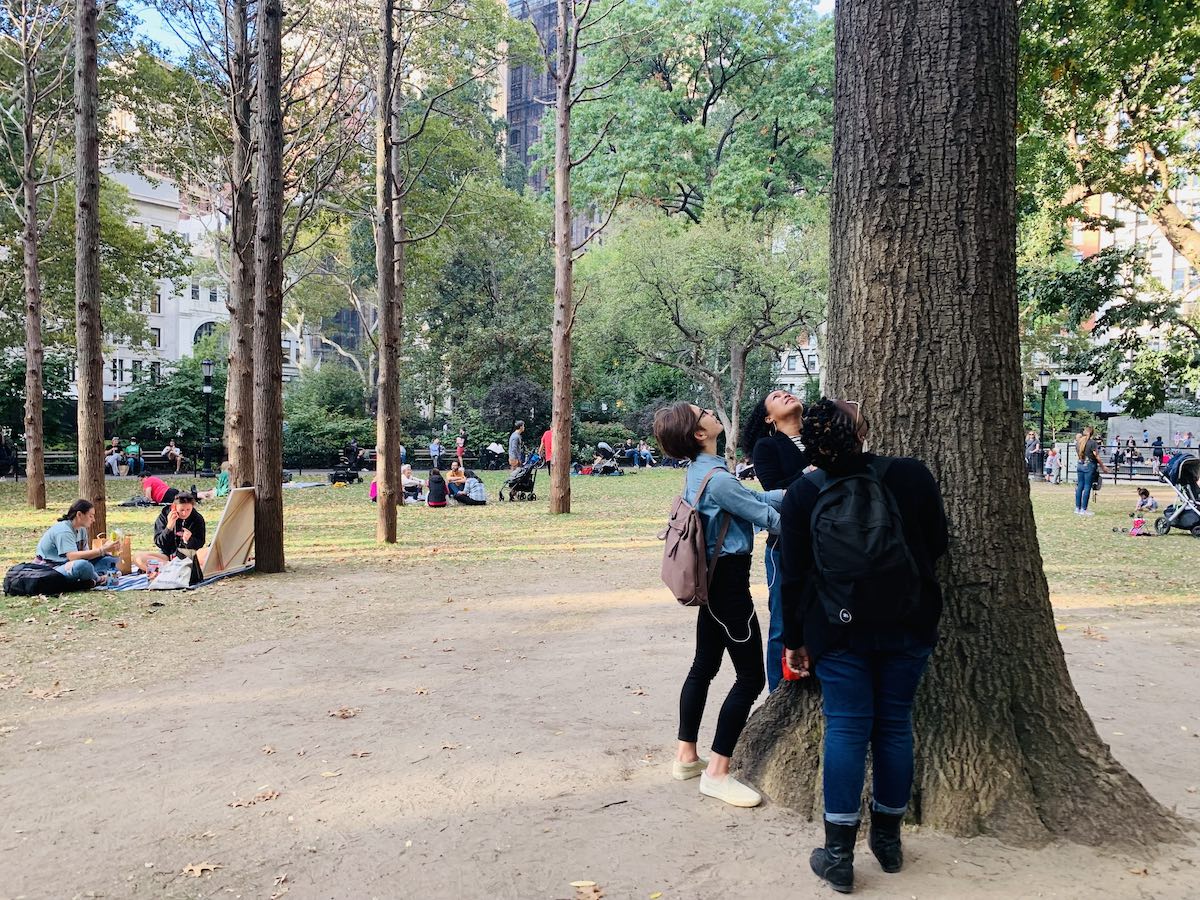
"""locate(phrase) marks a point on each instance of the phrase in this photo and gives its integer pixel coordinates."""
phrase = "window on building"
(195, 290)
(120, 376)
(204, 331)
(71, 371)
(135, 371)
(812, 361)
(516, 84)
(156, 300)
(155, 372)
(113, 367)
(514, 138)
(1074, 389)
(212, 295)
(155, 337)
(791, 363)
(1065, 387)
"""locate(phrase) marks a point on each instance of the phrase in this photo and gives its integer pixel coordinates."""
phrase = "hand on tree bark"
(798, 662)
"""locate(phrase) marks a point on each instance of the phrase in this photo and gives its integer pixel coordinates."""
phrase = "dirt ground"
(502, 739)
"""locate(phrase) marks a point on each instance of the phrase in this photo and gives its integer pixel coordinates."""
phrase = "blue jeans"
(868, 698)
(88, 569)
(775, 629)
(1084, 477)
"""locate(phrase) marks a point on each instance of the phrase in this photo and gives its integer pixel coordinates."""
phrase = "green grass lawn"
(1086, 562)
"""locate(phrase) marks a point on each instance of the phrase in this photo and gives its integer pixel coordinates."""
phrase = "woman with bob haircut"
(728, 623)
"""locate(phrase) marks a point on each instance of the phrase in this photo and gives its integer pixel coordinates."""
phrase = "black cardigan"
(168, 541)
(777, 463)
(804, 623)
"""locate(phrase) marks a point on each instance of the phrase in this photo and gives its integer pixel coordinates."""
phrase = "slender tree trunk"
(35, 462)
(737, 378)
(89, 335)
(564, 305)
(923, 329)
(239, 390)
(387, 264)
(268, 296)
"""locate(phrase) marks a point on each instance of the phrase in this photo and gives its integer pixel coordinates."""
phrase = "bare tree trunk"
(35, 461)
(564, 306)
(923, 329)
(737, 377)
(268, 296)
(239, 391)
(89, 336)
(387, 264)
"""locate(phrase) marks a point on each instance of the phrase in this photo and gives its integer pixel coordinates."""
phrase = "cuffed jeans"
(1085, 476)
(88, 569)
(868, 698)
(775, 628)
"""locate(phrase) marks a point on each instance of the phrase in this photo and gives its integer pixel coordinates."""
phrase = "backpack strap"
(712, 563)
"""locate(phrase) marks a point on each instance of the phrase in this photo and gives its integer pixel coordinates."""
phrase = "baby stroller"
(1183, 475)
(522, 481)
(605, 462)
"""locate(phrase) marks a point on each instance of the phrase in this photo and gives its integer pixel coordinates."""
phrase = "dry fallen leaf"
(361, 754)
(198, 869)
(345, 712)
(450, 746)
(421, 691)
(656, 895)
(260, 797)
(1142, 871)
(1095, 635)
(268, 749)
(330, 774)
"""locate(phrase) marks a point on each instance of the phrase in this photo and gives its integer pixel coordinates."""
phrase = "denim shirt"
(725, 493)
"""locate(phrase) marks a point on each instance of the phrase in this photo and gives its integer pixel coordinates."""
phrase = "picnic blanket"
(296, 485)
(139, 582)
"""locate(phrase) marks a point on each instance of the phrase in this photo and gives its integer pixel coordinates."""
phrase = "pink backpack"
(686, 569)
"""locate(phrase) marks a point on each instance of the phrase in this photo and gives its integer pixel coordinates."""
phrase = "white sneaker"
(730, 790)
(1086, 512)
(682, 771)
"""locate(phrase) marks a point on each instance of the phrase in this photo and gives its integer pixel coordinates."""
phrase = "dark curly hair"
(755, 427)
(829, 434)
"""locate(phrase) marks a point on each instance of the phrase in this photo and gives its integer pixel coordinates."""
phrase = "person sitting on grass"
(437, 489)
(156, 490)
(456, 478)
(223, 483)
(472, 493)
(411, 485)
(65, 546)
(1145, 505)
(178, 531)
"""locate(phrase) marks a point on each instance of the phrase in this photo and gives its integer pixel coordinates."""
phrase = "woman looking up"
(772, 434)
(730, 511)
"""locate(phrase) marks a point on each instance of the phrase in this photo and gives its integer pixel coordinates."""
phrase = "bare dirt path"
(508, 732)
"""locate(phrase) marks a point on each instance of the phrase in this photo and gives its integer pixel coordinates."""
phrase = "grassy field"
(1086, 562)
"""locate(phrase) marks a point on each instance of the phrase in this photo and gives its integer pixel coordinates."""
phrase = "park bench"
(56, 462)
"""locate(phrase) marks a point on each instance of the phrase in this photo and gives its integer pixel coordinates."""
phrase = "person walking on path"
(516, 448)
(460, 446)
(727, 624)
(1156, 454)
(1089, 464)
(773, 433)
(861, 607)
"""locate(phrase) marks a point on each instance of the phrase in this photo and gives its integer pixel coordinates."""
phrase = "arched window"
(204, 331)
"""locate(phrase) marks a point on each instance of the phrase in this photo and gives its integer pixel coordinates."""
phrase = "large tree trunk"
(89, 335)
(387, 264)
(564, 306)
(35, 461)
(268, 297)
(239, 390)
(923, 329)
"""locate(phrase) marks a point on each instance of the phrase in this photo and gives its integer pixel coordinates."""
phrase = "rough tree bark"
(89, 335)
(564, 300)
(239, 390)
(268, 296)
(35, 460)
(923, 329)
(388, 263)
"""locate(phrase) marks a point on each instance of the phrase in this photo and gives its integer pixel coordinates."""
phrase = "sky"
(154, 28)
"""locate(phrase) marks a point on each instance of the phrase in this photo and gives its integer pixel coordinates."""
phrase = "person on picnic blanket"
(178, 531)
(65, 546)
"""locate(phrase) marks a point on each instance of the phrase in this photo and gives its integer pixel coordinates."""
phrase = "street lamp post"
(1044, 381)
(207, 366)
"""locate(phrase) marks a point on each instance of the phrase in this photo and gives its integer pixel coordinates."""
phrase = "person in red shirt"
(547, 446)
(157, 490)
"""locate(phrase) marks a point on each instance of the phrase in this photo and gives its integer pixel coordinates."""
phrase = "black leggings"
(729, 607)
(469, 501)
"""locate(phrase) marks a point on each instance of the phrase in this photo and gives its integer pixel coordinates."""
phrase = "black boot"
(835, 861)
(884, 839)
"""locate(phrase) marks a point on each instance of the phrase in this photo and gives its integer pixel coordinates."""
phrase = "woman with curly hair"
(730, 512)
(865, 627)
(772, 435)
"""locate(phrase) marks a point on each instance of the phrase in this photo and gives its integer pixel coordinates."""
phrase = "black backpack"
(864, 572)
(30, 579)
